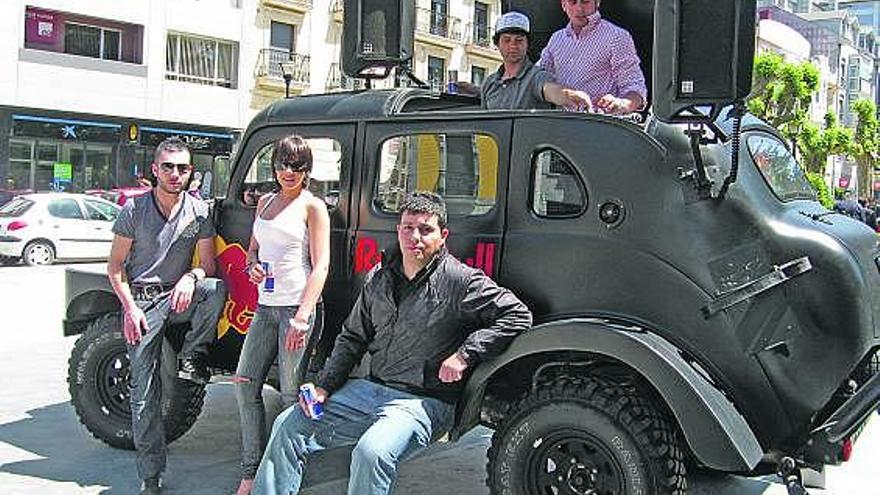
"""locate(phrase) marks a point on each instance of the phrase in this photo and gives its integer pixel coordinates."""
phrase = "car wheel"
(98, 378)
(580, 435)
(39, 253)
(8, 260)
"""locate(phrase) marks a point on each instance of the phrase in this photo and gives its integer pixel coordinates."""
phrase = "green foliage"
(823, 194)
(817, 144)
(781, 93)
(866, 144)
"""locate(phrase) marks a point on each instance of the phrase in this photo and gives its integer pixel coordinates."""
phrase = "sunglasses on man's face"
(168, 167)
(291, 166)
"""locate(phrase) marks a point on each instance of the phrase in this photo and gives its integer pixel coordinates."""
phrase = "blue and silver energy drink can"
(269, 281)
(310, 398)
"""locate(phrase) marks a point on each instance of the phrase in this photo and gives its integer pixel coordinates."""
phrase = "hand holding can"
(311, 404)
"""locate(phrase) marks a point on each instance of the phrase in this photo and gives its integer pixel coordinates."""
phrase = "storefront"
(41, 150)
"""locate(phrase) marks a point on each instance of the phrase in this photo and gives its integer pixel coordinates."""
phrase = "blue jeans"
(146, 385)
(384, 425)
(263, 342)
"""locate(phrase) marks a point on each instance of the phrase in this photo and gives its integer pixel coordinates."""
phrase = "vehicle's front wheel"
(98, 378)
(586, 435)
(38, 253)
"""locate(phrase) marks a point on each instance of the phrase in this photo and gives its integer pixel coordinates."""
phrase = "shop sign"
(41, 26)
(133, 132)
(68, 130)
(62, 172)
(196, 140)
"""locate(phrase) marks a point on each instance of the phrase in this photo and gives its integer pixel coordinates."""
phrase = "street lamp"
(288, 78)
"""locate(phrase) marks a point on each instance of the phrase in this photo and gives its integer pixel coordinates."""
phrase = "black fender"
(716, 432)
(88, 296)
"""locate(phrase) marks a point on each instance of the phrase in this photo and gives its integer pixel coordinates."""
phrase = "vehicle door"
(68, 228)
(461, 159)
(332, 148)
(100, 215)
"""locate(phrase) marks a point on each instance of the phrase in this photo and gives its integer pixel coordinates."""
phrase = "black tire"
(98, 377)
(577, 434)
(38, 253)
(9, 260)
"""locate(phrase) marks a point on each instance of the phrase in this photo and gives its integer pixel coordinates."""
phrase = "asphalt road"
(44, 450)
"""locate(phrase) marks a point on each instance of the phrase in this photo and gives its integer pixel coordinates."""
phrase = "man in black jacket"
(425, 318)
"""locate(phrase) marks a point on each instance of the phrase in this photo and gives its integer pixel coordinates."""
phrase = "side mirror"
(703, 56)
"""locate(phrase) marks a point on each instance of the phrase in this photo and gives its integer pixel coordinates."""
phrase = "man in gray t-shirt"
(150, 269)
(518, 83)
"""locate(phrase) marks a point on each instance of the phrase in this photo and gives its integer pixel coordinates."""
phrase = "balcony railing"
(438, 24)
(337, 80)
(273, 59)
(480, 35)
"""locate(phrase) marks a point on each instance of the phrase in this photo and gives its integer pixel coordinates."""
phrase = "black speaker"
(376, 33)
(703, 55)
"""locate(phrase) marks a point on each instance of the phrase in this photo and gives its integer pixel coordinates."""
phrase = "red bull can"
(309, 396)
(269, 281)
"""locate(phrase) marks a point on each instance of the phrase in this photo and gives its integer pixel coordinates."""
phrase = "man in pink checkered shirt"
(597, 57)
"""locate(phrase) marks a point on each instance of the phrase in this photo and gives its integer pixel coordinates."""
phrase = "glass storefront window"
(20, 158)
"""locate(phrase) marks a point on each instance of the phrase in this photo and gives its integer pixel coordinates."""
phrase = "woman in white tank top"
(288, 257)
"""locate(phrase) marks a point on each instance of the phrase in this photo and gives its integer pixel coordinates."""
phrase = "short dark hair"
(425, 202)
(292, 148)
(170, 144)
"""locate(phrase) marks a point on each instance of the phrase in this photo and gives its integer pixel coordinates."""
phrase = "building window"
(201, 60)
(91, 41)
(481, 24)
(282, 36)
(436, 69)
(439, 17)
(478, 75)
(75, 34)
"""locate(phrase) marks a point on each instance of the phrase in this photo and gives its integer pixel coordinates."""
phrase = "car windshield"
(779, 168)
(16, 207)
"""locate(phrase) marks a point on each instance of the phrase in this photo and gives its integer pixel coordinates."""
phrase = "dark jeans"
(263, 342)
(146, 381)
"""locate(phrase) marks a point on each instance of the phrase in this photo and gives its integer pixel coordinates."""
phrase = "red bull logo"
(367, 255)
(242, 299)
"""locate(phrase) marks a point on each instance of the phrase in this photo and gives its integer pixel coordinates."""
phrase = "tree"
(866, 143)
(781, 93)
(817, 144)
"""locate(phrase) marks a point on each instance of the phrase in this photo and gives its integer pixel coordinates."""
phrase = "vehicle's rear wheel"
(586, 435)
(9, 260)
(38, 253)
(98, 377)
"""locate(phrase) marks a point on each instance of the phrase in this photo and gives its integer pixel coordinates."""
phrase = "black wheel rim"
(573, 462)
(114, 374)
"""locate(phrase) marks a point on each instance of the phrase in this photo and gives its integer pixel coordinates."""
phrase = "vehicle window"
(557, 190)
(65, 208)
(779, 168)
(16, 207)
(463, 168)
(323, 181)
(97, 210)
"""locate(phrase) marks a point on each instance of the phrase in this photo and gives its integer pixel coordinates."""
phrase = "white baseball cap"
(511, 22)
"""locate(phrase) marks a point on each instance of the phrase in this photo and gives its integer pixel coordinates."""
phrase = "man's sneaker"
(194, 370)
(151, 486)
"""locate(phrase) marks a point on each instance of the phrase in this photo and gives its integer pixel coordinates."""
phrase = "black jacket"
(447, 307)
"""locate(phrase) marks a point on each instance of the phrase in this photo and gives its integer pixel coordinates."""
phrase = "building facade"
(89, 87)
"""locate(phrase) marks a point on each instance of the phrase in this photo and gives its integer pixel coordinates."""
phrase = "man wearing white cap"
(598, 57)
(518, 83)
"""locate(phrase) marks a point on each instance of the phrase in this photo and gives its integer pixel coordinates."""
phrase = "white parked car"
(42, 227)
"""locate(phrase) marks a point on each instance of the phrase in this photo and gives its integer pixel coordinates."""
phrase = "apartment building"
(88, 88)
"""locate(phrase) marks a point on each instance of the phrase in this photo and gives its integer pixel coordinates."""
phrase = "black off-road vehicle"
(694, 304)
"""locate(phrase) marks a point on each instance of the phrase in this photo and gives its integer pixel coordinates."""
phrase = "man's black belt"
(148, 292)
